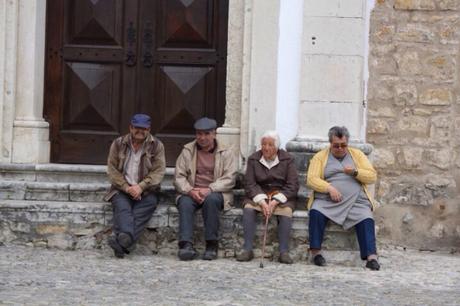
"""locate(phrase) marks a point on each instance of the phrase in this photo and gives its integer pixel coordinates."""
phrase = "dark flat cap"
(205, 124)
(141, 120)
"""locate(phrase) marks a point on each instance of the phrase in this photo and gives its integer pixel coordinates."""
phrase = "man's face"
(138, 134)
(339, 146)
(206, 138)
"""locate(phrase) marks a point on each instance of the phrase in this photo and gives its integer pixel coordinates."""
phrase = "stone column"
(332, 75)
(31, 133)
(8, 55)
(229, 133)
(251, 73)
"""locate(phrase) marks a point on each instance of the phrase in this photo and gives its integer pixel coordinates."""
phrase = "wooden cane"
(270, 195)
(263, 243)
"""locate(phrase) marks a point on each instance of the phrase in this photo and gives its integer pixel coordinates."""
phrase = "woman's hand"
(265, 208)
(272, 206)
(336, 196)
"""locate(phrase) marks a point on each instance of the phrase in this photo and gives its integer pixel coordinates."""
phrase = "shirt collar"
(269, 164)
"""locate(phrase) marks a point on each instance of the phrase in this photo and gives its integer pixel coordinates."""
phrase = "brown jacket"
(282, 177)
(224, 172)
(151, 168)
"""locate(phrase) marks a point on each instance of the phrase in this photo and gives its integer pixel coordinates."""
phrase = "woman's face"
(268, 148)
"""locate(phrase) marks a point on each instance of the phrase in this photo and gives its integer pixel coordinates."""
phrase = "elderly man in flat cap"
(136, 166)
(204, 177)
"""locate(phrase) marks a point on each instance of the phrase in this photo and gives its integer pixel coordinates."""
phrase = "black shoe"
(285, 258)
(211, 250)
(245, 256)
(187, 252)
(319, 260)
(124, 240)
(373, 264)
(116, 247)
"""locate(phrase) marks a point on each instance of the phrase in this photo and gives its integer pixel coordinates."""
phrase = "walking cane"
(263, 243)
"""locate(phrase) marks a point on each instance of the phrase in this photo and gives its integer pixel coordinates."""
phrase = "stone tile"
(331, 78)
(337, 36)
(338, 8)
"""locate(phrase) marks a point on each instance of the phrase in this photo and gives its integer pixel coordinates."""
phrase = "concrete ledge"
(83, 225)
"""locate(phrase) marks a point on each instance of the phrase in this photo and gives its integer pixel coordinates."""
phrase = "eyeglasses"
(340, 145)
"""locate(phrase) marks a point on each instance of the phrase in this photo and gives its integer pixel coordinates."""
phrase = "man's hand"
(204, 192)
(265, 208)
(196, 195)
(272, 206)
(135, 191)
(336, 196)
(348, 170)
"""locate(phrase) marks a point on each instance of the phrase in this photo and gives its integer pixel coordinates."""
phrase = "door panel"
(108, 59)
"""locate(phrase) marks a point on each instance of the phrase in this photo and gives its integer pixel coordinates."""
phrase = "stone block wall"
(414, 119)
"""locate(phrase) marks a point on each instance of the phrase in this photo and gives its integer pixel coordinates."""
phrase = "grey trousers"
(211, 208)
(131, 216)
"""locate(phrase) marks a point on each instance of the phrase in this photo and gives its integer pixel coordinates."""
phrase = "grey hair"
(339, 132)
(273, 135)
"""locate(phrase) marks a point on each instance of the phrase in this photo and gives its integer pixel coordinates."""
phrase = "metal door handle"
(130, 57)
(147, 44)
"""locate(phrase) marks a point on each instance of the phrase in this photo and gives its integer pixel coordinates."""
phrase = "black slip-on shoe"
(116, 247)
(319, 260)
(211, 250)
(285, 258)
(373, 264)
(245, 256)
(187, 252)
(210, 254)
(125, 240)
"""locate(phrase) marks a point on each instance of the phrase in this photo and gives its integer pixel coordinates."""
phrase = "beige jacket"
(224, 172)
(151, 168)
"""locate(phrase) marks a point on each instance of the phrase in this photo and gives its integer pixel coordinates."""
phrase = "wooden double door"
(109, 59)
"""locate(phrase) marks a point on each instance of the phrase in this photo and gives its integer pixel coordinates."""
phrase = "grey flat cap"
(205, 124)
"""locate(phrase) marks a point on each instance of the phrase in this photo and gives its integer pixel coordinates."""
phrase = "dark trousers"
(210, 208)
(365, 231)
(131, 216)
(249, 227)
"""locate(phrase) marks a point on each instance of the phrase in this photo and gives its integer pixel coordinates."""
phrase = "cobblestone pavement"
(38, 276)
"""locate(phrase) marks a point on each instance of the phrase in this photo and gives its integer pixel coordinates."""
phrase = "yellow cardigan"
(315, 175)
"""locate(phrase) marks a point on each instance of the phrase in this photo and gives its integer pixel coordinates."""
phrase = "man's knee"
(214, 200)
(121, 202)
(185, 203)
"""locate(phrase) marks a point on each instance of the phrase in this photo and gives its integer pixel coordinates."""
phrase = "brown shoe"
(245, 256)
(285, 258)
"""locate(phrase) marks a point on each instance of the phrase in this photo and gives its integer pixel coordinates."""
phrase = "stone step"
(82, 225)
(69, 173)
(81, 183)
(90, 192)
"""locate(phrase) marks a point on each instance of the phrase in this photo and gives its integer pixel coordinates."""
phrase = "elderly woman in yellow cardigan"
(338, 176)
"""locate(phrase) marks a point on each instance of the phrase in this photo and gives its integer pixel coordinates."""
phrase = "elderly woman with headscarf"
(271, 185)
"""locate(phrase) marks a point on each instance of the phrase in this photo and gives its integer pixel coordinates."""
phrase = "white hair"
(272, 135)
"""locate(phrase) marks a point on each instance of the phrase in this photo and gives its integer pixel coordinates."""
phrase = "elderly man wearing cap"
(136, 166)
(204, 177)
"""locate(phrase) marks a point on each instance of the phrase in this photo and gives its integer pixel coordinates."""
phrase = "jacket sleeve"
(366, 173)
(291, 187)
(314, 180)
(226, 181)
(180, 175)
(156, 174)
(115, 177)
(251, 187)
